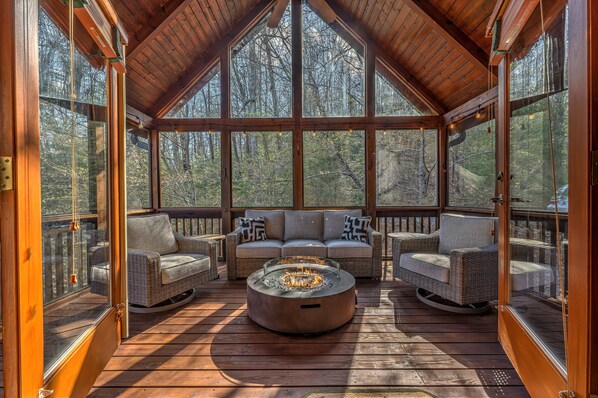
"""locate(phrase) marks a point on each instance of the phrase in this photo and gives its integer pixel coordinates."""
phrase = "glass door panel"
(538, 180)
(76, 275)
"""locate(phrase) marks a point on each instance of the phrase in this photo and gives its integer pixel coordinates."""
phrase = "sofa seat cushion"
(151, 233)
(303, 224)
(526, 274)
(340, 248)
(462, 232)
(175, 267)
(100, 273)
(435, 266)
(304, 247)
(274, 222)
(334, 222)
(260, 249)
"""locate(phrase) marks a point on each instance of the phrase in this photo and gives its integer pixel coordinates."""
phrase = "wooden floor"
(210, 348)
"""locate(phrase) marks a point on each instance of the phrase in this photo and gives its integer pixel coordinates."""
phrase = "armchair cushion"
(101, 273)
(304, 247)
(435, 266)
(274, 222)
(527, 274)
(174, 267)
(340, 248)
(303, 225)
(459, 232)
(152, 233)
(334, 222)
(260, 249)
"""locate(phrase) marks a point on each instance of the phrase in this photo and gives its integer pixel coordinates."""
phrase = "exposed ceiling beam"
(277, 13)
(155, 25)
(323, 9)
(200, 65)
(451, 32)
(479, 102)
(358, 30)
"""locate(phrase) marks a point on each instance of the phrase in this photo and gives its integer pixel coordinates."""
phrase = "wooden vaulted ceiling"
(438, 45)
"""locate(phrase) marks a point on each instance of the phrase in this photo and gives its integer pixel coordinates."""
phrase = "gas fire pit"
(301, 295)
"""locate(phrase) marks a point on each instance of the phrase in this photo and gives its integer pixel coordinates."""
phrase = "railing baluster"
(59, 261)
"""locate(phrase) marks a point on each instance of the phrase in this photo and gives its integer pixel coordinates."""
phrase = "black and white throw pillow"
(356, 228)
(252, 229)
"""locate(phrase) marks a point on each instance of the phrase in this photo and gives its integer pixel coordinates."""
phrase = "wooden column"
(582, 362)
(225, 145)
(442, 167)
(370, 132)
(20, 208)
(154, 140)
(297, 82)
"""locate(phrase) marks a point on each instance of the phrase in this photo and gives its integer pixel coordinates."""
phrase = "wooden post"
(154, 139)
(442, 167)
(297, 83)
(582, 362)
(20, 208)
(370, 132)
(225, 146)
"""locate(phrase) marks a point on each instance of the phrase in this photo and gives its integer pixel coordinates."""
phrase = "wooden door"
(58, 332)
(546, 217)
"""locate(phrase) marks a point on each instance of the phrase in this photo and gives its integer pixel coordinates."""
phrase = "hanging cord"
(554, 188)
(75, 224)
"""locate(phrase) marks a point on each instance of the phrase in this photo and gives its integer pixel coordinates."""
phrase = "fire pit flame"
(305, 278)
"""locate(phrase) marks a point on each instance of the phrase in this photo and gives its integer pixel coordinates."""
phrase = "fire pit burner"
(301, 295)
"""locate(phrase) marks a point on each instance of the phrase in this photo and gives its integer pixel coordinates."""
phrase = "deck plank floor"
(210, 348)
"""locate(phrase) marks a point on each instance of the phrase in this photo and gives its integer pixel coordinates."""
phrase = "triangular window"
(333, 69)
(393, 98)
(260, 77)
(202, 101)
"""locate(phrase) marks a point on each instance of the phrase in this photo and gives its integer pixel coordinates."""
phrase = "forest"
(334, 162)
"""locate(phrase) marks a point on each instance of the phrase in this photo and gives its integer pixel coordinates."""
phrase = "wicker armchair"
(161, 263)
(463, 276)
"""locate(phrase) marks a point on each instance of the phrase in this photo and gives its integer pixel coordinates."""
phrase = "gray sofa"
(304, 233)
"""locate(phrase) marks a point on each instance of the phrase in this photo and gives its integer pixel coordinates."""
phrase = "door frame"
(540, 375)
(20, 218)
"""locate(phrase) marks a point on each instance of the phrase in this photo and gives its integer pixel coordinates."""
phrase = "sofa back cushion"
(461, 232)
(299, 224)
(151, 233)
(334, 222)
(274, 222)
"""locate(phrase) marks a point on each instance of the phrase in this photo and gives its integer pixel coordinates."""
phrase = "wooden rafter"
(358, 30)
(451, 32)
(277, 13)
(207, 59)
(155, 26)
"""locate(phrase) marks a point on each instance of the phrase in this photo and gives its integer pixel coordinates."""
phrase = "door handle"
(499, 199)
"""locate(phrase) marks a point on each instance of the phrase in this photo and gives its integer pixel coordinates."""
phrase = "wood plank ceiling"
(441, 43)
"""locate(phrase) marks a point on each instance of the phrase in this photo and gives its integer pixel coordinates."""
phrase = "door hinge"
(42, 393)
(6, 176)
(120, 311)
(594, 167)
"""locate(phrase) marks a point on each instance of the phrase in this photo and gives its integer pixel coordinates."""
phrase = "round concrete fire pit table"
(301, 295)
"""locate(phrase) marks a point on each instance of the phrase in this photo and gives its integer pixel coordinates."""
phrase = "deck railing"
(57, 243)
(58, 252)
(194, 222)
